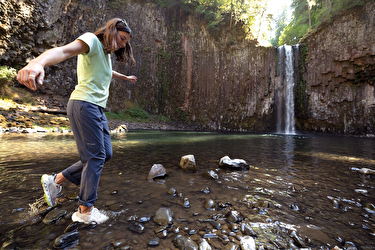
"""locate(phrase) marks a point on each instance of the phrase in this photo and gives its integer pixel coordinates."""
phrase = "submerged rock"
(67, 240)
(247, 243)
(182, 243)
(163, 216)
(157, 171)
(235, 163)
(366, 171)
(210, 174)
(234, 216)
(204, 245)
(136, 227)
(188, 163)
(154, 242)
(54, 216)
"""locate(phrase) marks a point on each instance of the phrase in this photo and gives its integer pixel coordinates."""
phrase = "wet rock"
(54, 216)
(247, 243)
(227, 162)
(366, 171)
(298, 241)
(210, 174)
(120, 129)
(370, 208)
(145, 218)
(233, 227)
(234, 216)
(232, 246)
(66, 240)
(154, 242)
(74, 226)
(209, 204)
(246, 229)
(136, 227)
(188, 163)
(215, 224)
(9, 245)
(157, 171)
(172, 191)
(203, 245)
(163, 216)
(184, 202)
(182, 243)
(350, 246)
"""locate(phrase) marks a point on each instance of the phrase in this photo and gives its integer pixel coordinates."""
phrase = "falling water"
(285, 102)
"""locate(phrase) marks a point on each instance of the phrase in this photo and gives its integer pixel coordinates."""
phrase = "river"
(309, 184)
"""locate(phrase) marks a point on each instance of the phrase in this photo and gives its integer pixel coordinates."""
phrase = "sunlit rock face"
(338, 74)
(187, 74)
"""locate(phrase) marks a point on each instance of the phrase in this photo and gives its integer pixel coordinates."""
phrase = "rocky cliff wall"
(185, 73)
(338, 75)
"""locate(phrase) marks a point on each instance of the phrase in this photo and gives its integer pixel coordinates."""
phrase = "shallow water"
(309, 182)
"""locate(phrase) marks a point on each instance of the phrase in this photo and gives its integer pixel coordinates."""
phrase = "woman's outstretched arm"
(35, 68)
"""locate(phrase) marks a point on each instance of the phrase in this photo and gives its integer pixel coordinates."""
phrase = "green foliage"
(134, 113)
(321, 11)
(223, 14)
(7, 76)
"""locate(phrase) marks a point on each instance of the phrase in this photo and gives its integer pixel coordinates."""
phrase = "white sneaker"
(94, 215)
(51, 189)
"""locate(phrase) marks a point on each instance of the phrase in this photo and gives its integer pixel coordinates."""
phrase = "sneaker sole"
(45, 195)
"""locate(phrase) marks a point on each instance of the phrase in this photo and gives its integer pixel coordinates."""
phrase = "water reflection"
(301, 181)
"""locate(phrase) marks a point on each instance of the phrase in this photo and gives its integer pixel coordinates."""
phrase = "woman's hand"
(117, 75)
(132, 79)
(29, 73)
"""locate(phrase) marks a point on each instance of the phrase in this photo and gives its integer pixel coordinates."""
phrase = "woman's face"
(122, 39)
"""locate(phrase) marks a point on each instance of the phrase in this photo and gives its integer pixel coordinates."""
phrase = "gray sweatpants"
(91, 132)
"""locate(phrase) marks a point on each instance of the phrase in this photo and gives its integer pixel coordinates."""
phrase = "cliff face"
(337, 75)
(185, 73)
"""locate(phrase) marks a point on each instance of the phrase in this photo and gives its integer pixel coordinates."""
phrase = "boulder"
(188, 163)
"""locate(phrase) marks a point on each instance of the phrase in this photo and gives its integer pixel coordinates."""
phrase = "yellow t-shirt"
(94, 73)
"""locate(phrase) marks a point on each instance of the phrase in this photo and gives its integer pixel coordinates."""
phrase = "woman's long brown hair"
(107, 35)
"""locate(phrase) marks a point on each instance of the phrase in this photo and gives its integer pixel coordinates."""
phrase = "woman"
(86, 109)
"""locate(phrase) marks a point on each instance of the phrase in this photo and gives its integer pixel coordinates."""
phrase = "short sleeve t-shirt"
(94, 73)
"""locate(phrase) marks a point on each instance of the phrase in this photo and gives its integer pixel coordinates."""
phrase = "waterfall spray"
(285, 101)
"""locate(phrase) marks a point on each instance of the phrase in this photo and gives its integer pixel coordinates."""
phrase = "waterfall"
(285, 95)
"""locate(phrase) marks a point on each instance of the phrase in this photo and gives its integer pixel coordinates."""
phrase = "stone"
(203, 245)
(247, 243)
(163, 216)
(183, 243)
(227, 162)
(234, 216)
(187, 163)
(54, 216)
(136, 227)
(210, 174)
(157, 171)
(67, 240)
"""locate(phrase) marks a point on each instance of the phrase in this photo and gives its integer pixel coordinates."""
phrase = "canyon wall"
(337, 75)
(223, 82)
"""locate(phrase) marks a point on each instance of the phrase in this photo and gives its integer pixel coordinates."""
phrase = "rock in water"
(136, 227)
(204, 245)
(248, 243)
(54, 216)
(67, 239)
(188, 163)
(235, 163)
(163, 216)
(366, 171)
(183, 243)
(157, 171)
